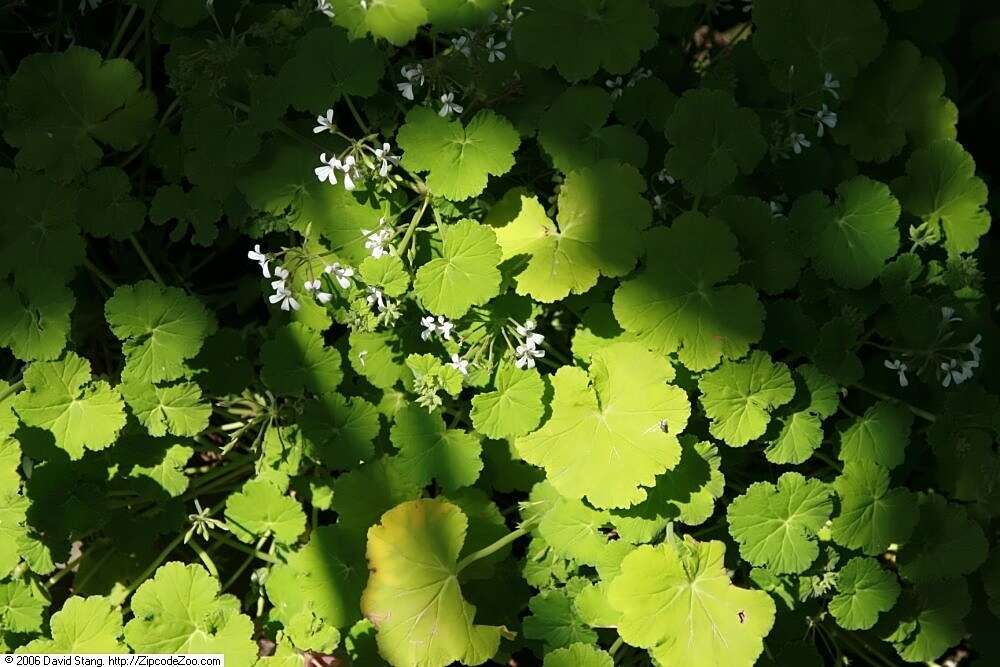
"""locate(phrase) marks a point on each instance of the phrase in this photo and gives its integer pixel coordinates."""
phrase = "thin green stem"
(205, 558)
(145, 259)
(496, 546)
(11, 390)
(100, 275)
(411, 228)
(920, 412)
(614, 647)
(121, 31)
(239, 546)
(357, 116)
(65, 570)
(243, 566)
(827, 460)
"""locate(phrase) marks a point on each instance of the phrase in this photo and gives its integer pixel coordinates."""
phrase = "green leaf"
(465, 274)
(739, 396)
(61, 397)
(864, 590)
(177, 409)
(554, 621)
(65, 106)
(579, 37)
(451, 15)
(413, 595)
(678, 601)
(326, 66)
(180, 610)
(675, 304)
(899, 98)
(13, 513)
(941, 188)
(296, 359)
(428, 450)
(361, 496)
(39, 230)
(933, 620)
(338, 217)
(83, 625)
(947, 543)
(578, 655)
(387, 273)
(880, 435)
(260, 509)
(161, 328)
(107, 207)
(597, 232)
(850, 240)
(378, 357)
(604, 440)
(770, 260)
(574, 135)
(195, 209)
(871, 515)
(20, 610)
(801, 434)
(395, 20)
(340, 430)
(515, 407)
(776, 524)
(713, 140)
(35, 318)
(459, 159)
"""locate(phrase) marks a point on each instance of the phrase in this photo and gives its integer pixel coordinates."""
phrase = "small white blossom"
(825, 119)
(324, 123)
(388, 160)
(974, 348)
(341, 274)
(639, 75)
(261, 259)
(430, 328)
(948, 315)
(799, 142)
(615, 87)
(313, 287)
(324, 7)
(831, 85)
(532, 339)
(444, 327)
(414, 75)
(526, 356)
(776, 209)
(495, 49)
(328, 170)
(459, 364)
(350, 172)
(463, 45)
(282, 294)
(376, 297)
(377, 242)
(364, 4)
(663, 176)
(900, 368)
(955, 374)
(448, 105)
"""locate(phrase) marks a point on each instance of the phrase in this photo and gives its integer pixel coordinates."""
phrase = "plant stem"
(205, 558)
(100, 275)
(496, 546)
(239, 546)
(920, 412)
(242, 567)
(66, 569)
(11, 390)
(827, 460)
(357, 116)
(145, 259)
(121, 31)
(614, 647)
(408, 234)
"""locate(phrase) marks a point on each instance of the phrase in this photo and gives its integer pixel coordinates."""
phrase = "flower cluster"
(359, 162)
(530, 346)
(945, 358)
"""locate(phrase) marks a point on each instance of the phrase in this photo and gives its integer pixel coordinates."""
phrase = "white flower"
(377, 242)
(900, 368)
(532, 339)
(495, 49)
(776, 209)
(462, 45)
(954, 374)
(825, 119)
(324, 7)
(615, 86)
(385, 155)
(324, 123)
(948, 315)
(448, 105)
(974, 348)
(313, 287)
(341, 274)
(799, 142)
(350, 173)
(639, 75)
(281, 293)
(526, 356)
(406, 88)
(364, 4)
(259, 257)
(430, 328)
(459, 364)
(663, 176)
(376, 298)
(444, 327)
(441, 327)
(281, 273)
(831, 85)
(414, 75)
(328, 170)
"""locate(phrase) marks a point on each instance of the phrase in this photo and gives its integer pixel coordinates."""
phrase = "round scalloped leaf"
(378, 356)
(947, 543)
(739, 397)
(554, 620)
(776, 524)
(413, 595)
(60, 397)
(430, 451)
(336, 215)
(933, 621)
(871, 515)
(515, 406)
(574, 135)
(880, 435)
(851, 240)
(900, 96)
(864, 590)
(38, 231)
(465, 274)
(161, 328)
(82, 625)
(578, 655)
(260, 509)
(579, 37)
(604, 440)
(597, 233)
(177, 409)
(452, 15)
(196, 210)
(714, 140)
(35, 318)
(801, 434)
(107, 207)
(20, 608)
(942, 189)
(180, 610)
(296, 359)
(386, 273)
(676, 303)
(395, 20)
(339, 430)
(361, 496)
(678, 601)
(815, 37)
(328, 65)
(770, 260)
(64, 106)
(459, 159)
